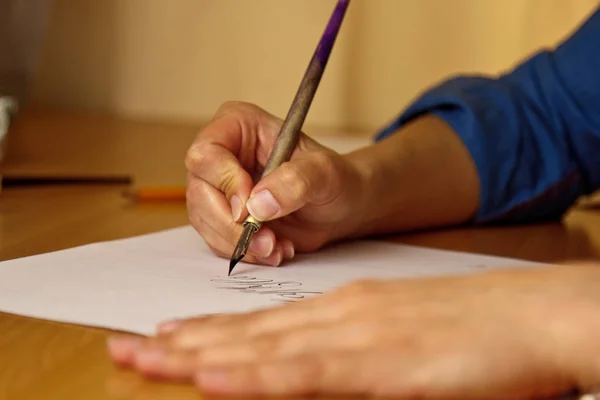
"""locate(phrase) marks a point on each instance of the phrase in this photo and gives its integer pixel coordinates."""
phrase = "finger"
(164, 363)
(137, 351)
(313, 309)
(156, 357)
(229, 151)
(315, 339)
(243, 327)
(223, 249)
(292, 226)
(207, 204)
(210, 215)
(308, 178)
(406, 372)
(122, 348)
(219, 168)
(287, 247)
(219, 156)
(160, 362)
(216, 329)
(330, 373)
(152, 358)
(380, 372)
(406, 368)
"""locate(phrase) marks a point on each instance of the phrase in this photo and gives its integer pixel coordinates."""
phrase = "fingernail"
(288, 250)
(261, 245)
(274, 259)
(169, 326)
(236, 208)
(278, 259)
(263, 205)
(150, 356)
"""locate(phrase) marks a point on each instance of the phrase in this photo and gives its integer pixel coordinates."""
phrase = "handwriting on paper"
(281, 291)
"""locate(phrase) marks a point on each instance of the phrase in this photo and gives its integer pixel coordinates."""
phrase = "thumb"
(309, 178)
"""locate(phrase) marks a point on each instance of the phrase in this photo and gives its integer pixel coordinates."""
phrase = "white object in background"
(590, 396)
(8, 106)
(136, 283)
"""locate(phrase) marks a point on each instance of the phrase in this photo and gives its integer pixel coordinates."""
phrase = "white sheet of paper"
(136, 283)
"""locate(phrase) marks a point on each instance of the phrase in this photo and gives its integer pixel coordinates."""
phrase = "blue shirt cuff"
(525, 174)
(533, 133)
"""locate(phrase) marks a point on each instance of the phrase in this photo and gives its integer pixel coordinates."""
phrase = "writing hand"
(306, 201)
(502, 334)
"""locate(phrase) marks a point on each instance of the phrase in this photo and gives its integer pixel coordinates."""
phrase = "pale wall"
(180, 59)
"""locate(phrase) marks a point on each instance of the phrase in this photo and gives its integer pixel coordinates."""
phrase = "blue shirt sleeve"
(533, 133)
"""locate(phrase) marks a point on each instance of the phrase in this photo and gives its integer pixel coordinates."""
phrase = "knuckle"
(328, 168)
(295, 181)
(180, 338)
(323, 160)
(228, 182)
(231, 105)
(288, 173)
(206, 163)
(194, 158)
(236, 106)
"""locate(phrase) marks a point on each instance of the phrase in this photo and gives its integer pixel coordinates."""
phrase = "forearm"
(420, 177)
(517, 148)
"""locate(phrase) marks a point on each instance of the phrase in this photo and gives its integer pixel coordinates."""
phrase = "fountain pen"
(292, 125)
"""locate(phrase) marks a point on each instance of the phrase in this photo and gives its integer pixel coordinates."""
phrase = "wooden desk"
(49, 360)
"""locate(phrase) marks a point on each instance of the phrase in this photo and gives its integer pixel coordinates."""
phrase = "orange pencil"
(175, 193)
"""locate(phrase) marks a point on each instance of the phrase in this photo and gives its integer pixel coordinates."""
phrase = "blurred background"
(179, 60)
(115, 91)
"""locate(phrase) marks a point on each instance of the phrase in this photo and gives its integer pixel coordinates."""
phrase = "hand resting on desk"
(510, 334)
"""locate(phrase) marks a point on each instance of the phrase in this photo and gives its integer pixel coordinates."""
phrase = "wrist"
(422, 176)
(364, 187)
(377, 197)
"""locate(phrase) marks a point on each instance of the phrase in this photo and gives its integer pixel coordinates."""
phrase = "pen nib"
(242, 246)
(232, 265)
